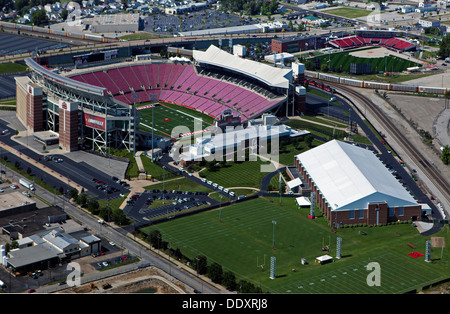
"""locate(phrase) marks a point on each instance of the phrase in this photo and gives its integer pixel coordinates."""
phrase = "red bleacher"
(179, 84)
(356, 41)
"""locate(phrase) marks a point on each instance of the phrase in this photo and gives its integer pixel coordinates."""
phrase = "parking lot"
(205, 19)
(140, 208)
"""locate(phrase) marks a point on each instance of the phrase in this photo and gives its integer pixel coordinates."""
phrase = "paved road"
(117, 235)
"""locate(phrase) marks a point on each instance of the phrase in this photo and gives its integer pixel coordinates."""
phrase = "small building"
(49, 248)
(425, 23)
(279, 57)
(297, 43)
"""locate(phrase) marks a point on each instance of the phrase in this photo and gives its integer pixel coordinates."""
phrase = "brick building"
(297, 43)
(353, 186)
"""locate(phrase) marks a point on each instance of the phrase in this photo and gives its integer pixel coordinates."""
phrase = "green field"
(341, 62)
(167, 118)
(12, 68)
(242, 243)
(350, 13)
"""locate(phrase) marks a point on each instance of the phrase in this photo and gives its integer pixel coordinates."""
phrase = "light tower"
(338, 247)
(273, 262)
(312, 211)
(428, 251)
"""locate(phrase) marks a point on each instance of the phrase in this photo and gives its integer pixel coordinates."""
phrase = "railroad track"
(432, 173)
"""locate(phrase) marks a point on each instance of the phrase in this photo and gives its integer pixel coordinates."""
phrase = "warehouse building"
(49, 248)
(297, 43)
(353, 186)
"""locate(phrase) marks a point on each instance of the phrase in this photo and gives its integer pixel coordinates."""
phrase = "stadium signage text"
(94, 122)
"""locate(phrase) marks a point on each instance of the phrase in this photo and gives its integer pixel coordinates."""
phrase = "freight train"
(375, 85)
(30, 28)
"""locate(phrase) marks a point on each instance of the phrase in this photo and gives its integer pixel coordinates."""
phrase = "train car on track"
(376, 85)
(432, 90)
(404, 88)
(373, 85)
(351, 82)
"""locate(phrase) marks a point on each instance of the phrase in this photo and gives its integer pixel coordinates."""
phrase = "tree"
(39, 18)
(248, 287)
(308, 140)
(215, 273)
(155, 238)
(446, 155)
(444, 47)
(93, 206)
(200, 264)
(82, 199)
(73, 193)
(64, 14)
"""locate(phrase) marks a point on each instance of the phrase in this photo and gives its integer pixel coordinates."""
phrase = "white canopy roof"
(294, 183)
(350, 177)
(303, 201)
(268, 74)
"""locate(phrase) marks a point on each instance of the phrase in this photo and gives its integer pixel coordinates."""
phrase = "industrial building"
(297, 43)
(353, 186)
(47, 249)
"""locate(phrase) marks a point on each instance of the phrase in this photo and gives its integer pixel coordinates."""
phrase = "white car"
(1, 191)
(112, 243)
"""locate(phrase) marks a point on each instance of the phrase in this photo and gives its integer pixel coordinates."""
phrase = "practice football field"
(171, 121)
(251, 232)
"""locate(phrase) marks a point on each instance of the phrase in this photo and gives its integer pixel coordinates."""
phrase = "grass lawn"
(142, 36)
(238, 174)
(180, 184)
(11, 68)
(350, 13)
(342, 60)
(243, 243)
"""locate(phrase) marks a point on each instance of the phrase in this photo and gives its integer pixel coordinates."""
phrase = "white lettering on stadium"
(93, 121)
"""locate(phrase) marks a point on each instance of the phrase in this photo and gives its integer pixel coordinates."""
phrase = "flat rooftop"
(13, 200)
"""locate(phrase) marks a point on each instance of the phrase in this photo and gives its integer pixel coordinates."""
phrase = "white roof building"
(350, 177)
(268, 74)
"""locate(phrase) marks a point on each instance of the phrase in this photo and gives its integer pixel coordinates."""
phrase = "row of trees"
(444, 47)
(106, 213)
(214, 271)
(251, 7)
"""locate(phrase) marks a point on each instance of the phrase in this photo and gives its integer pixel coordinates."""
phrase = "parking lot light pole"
(273, 234)
(220, 208)
(164, 194)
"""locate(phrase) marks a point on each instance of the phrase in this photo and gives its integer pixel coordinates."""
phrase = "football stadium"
(96, 107)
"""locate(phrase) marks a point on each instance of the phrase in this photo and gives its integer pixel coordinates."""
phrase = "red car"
(31, 291)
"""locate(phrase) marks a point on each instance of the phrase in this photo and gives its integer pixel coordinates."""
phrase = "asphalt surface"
(78, 172)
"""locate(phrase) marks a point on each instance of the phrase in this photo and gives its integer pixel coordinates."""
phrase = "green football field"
(341, 62)
(171, 121)
(243, 243)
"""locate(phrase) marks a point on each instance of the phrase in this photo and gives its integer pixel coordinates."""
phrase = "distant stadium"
(387, 39)
(95, 108)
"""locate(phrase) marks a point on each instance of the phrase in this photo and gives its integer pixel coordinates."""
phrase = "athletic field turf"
(341, 62)
(242, 243)
(166, 119)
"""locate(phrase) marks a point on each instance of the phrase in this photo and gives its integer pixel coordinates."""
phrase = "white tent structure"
(351, 179)
(303, 201)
